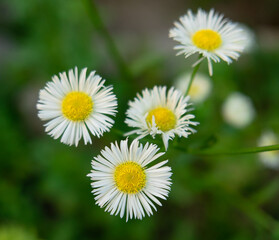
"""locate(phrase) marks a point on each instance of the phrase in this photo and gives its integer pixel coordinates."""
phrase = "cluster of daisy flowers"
(76, 106)
(126, 179)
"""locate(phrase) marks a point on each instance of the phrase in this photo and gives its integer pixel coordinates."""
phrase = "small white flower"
(160, 112)
(250, 43)
(269, 159)
(122, 182)
(76, 105)
(238, 110)
(200, 89)
(210, 35)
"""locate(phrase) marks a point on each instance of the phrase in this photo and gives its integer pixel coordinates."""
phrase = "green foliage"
(16, 233)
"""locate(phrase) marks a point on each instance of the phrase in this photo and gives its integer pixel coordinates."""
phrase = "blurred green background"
(44, 191)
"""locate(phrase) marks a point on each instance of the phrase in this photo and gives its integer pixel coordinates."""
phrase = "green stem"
(236, 151)
(101, 28)
(211, 153)
(196, 68)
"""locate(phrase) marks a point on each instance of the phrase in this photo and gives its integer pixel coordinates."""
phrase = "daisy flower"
(122, 182)
(75, 105)
(200, 88)
(160, 112)
(238, 110)
(210, 35)
(271, 158)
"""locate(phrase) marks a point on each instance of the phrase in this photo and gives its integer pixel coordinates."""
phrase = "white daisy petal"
(124, 185)
(76, 105)
(157, 111)
(210, 35)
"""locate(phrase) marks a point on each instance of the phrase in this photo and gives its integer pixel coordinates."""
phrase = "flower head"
(75, 105)
(122, 182)
(160, 112)
(200, 88)
(271, 158)
(210, 35)
(238, 110)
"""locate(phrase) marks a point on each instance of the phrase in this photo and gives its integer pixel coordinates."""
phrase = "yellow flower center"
(77, 106)
(129, 177)
(207, 39)
(164, 118)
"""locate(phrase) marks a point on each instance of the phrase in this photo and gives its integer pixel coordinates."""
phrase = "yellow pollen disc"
(164, 118)
(207, 39)
(77, 106)
(129, 177)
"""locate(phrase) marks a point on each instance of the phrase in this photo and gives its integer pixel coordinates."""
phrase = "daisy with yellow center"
(75, 105)
(122, 182)
(160, 112)
(210, 35)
